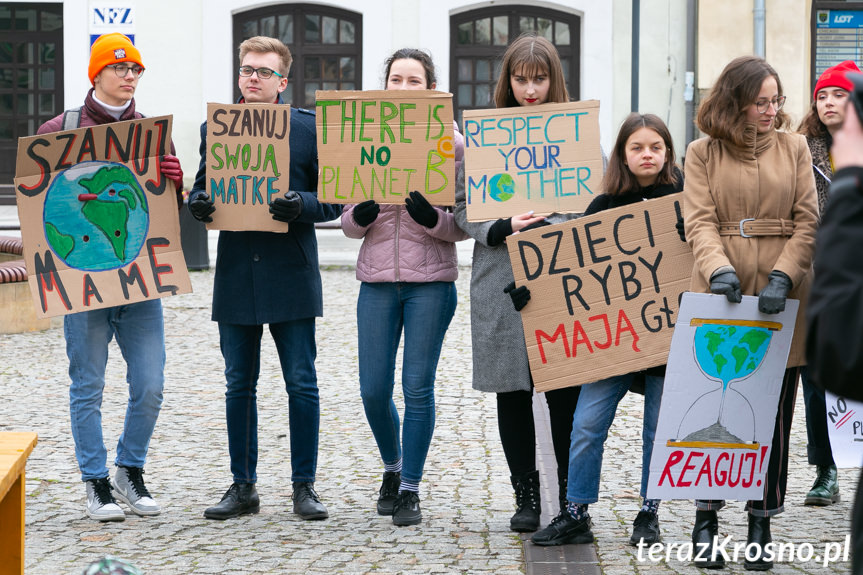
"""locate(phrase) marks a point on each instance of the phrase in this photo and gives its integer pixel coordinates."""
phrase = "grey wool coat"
(499, 353)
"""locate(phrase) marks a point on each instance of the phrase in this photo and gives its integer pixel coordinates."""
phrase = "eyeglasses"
(777, 103)
(263, 73)
(122, 69)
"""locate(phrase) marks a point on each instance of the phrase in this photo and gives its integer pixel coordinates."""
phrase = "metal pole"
(758, 32)
(636, 25)
(689, 86)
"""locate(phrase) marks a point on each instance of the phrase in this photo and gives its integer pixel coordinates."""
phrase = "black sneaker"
(645, 528)
(307, 504)
(388, 492)
(565, 529)
(406, 510)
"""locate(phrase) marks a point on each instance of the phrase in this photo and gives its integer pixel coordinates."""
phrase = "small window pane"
(51, 21)
(525, 24)
(330, 27)
(250, 29)
(5, 52)
(483, 70)
(561, 33)
(543, 28)
(481, 95)
(313, 28)
(465, 33)
(46, 79)
(348, 69)
(5, 18)
(330, 86)
(26, 127)
(465, 71)
(5, 105)
(6, 128)
(26, 104)
(348, 32)
(465, 91)
(48, 53)
(565, 63)
(483, 31)
(25, 53)
(25, 78)
(312, 68)
(286, 29)
(25, 19)
(311, 87)
(348, 86)
(6, 76)
(331, 68)
(46, 104)
(500, 32)
(268, 26)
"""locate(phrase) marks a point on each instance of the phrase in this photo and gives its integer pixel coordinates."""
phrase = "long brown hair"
(530, 54)
(722, 115)
(811, 125)
(618, 178)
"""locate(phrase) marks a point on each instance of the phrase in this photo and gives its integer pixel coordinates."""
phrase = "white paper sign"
(722, 387)
(845, 427)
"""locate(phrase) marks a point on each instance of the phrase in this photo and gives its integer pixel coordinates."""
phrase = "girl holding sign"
(750, 213)
(531, 74)
(407, 265)
(641, 168)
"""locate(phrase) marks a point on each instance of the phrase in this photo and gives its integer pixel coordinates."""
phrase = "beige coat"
(771, 179)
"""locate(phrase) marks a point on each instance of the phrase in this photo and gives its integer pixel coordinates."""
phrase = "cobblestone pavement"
(466, 496)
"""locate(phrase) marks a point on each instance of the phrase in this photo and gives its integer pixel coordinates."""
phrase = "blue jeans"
(241, 348)
(593, 417)
(424, 310)
(140, 334)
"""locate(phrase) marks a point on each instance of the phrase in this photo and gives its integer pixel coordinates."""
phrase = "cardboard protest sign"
(845, 429)
(719, 401)
(542, 158)
(383, 144)
(248, 164)
(604, 292)
(98, 219)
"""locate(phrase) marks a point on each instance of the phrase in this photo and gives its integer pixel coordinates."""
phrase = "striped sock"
(409, 486)
(577, 510)
(394, 467)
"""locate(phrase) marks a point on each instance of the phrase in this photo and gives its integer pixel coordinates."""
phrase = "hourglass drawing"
(727, 352)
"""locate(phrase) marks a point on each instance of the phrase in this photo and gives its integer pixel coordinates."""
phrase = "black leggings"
(517, 432)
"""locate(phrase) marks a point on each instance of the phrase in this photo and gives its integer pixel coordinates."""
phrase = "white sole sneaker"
(144, 506)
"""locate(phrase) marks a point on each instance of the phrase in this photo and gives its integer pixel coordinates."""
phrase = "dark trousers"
(818, 447)
(517, 431)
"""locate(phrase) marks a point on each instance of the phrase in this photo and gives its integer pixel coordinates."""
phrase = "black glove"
(287, 209)
(680, 231)
(421, 210)
(498, 232)
(520, 295)
(535, 225)
(772, 298)
(202, 207)
(728, 284)
(366, 212)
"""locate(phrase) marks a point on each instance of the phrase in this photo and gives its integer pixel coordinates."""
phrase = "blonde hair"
(265, 44)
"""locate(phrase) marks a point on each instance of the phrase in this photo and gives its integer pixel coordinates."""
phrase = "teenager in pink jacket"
(408, 266)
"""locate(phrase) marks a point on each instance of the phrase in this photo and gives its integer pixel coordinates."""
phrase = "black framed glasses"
(122, 69)
(762, 105)
(263, 73)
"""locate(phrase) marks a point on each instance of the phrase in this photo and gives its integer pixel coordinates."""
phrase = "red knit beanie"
(835, 77)
(111, 49)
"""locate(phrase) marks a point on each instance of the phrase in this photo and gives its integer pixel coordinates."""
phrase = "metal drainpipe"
(689, 81)
(758, 13)
(636, 26)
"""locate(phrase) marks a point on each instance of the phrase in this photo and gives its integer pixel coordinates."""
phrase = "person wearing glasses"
(750, 214)
(270, 278)
(114, 70)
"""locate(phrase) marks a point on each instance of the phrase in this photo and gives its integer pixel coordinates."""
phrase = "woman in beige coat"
(750, 216)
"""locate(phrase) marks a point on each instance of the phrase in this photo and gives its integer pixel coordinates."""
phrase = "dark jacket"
(269, 277)
(607, 201)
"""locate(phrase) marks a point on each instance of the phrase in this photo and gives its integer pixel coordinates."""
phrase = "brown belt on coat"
(751, 227)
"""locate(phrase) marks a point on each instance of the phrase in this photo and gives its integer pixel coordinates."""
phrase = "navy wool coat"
(270, 277)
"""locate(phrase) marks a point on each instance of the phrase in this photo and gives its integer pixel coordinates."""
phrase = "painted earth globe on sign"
(96, 216)
(501, 187)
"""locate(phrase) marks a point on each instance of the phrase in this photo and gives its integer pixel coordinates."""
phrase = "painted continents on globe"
(96, 216)
(501, 187)
(729, 352)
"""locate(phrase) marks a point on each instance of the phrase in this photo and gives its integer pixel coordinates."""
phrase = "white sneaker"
(129, 488)
(100, 504)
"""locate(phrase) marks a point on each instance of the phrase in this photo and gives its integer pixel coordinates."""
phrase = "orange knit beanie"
(111, 49)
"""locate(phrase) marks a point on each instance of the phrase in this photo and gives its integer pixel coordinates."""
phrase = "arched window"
(326, 44)
(479, 38)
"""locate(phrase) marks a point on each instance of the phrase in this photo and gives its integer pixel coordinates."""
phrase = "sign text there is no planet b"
(542, 158)
(383, 144)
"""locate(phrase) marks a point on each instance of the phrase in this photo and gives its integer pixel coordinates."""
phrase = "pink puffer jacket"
(397, 249)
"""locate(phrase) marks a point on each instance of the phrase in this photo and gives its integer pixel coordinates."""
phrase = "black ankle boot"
(759, 532)
(561, 489)
(704, 535)
(240, 499)
(527, 502)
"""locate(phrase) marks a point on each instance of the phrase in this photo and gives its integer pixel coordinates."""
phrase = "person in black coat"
(270, 278)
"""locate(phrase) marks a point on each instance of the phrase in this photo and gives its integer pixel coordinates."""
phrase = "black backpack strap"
(72, 118)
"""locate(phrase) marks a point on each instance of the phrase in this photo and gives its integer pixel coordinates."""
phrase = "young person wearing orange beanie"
(825, 118)
(114, 71)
